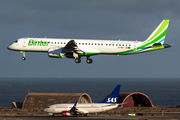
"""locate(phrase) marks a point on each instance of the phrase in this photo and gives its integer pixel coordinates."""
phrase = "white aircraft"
(84, 108)
(77, 48)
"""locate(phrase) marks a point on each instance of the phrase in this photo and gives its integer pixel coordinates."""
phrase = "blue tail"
(75, 104)
(113, 97)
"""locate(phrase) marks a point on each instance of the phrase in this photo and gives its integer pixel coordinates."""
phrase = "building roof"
(43, 100)
(132, 99)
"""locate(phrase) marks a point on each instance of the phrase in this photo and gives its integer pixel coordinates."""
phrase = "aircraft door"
(24, 42)
(135, 44)
(101, 108)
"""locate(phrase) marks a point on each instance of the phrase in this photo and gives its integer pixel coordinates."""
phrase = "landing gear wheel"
(78, 60)
(23, 58)
(89, 61)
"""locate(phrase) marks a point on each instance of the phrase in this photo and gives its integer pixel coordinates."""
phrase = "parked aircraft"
(84, 108)
(77, 48)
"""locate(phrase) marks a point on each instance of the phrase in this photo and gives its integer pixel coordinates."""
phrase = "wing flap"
(82, 111)
(70, 50)
(72, 47)
(74, 110)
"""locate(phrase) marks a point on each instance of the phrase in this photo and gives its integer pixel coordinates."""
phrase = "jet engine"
(56, 52)
(66, 113)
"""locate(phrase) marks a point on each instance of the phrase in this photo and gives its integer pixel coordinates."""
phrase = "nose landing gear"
(24, 57)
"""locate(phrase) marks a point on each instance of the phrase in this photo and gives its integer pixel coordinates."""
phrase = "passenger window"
(51, 42)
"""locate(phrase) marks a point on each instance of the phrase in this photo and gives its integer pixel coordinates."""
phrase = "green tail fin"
(159, 34)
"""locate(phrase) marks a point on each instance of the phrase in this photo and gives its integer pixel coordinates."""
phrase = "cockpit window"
(16, 41)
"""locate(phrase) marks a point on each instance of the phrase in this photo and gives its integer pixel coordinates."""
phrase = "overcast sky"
(89, 19)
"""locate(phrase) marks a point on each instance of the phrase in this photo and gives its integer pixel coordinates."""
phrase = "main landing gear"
(89, 61)
(24, 57)
(78, 60)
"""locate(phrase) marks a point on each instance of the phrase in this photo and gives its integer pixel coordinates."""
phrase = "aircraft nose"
(10, 46)
(45, 109)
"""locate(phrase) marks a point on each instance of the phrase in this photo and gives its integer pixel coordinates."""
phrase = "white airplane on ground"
(84, 108)
(77, 48)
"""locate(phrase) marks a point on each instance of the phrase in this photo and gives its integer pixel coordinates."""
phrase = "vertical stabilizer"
(159, 34)
(113, 97)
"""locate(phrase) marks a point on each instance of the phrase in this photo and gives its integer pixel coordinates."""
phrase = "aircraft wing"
(74, 110)
(70, 50)
(82, 111)
(72, 47)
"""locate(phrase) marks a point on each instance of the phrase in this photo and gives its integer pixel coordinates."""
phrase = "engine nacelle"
(65, 113)
(56, 52)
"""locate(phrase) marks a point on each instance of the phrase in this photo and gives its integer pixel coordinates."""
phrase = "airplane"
(77, 48)
(69, 109)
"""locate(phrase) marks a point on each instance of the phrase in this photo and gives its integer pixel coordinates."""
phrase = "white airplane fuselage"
(83, 107)
(89, 46)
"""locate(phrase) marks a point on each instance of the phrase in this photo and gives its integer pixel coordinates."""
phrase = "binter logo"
(38, 43)
(112, 100)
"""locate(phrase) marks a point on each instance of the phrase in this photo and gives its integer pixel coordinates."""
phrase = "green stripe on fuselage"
(153, 41)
